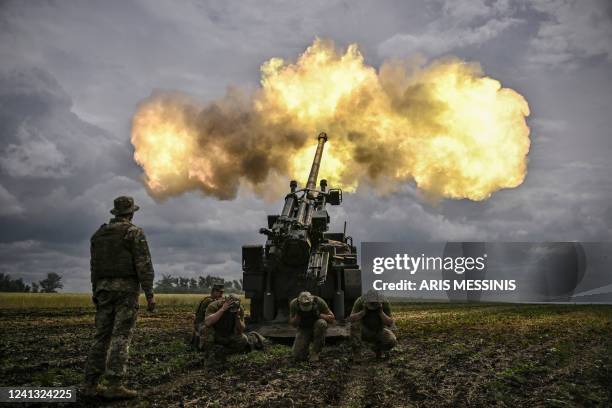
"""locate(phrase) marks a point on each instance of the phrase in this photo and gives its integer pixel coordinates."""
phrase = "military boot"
(92, 389)
(259, 341)
(118, 391)
(314, 357)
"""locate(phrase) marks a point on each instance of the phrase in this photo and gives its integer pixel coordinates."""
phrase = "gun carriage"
(301, 254)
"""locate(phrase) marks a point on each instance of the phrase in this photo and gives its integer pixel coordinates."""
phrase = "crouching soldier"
(311, 315)
(199, 328)
(370, 321)
(224, 321)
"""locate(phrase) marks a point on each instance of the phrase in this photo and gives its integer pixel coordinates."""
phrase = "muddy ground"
(449, 355)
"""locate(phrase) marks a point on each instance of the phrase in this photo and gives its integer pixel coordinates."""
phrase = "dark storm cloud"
(55, 197)
(106, 54)
(73, 73)
(50, 160)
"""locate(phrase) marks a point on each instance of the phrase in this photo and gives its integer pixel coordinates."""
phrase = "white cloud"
(461, 24)
(549, 126)
(33, 156)
(437, 43)
(572, 30)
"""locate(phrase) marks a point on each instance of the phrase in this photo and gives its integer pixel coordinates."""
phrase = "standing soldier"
(120, 266)
(224, 321)
(310, 314)
(199, 329)
(370, 321)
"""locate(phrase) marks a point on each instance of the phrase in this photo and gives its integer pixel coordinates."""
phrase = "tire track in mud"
(172, 390)
(167, 389)
(356, 388)
(360, 384)
(370, 383)
(364, 383)
(160, 395)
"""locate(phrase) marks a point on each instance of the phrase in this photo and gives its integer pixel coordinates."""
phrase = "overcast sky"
(72, 74)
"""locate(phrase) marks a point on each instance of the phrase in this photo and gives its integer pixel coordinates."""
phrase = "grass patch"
(83, 300)
(476, 355)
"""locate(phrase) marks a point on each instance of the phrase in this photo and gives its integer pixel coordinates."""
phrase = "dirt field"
(449, 355)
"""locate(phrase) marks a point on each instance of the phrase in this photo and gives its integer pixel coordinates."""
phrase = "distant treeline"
(50, 284)
(203, 284)
(167, 284)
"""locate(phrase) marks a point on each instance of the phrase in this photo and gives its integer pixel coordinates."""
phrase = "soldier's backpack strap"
(130, 232)
(201, 310)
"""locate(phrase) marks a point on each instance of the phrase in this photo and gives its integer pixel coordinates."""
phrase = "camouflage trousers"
(381, 340)
(198, 332)
(236, 343)
(305, 336)
(116, 314)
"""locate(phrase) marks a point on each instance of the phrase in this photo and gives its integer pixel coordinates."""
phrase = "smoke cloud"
(443, 125)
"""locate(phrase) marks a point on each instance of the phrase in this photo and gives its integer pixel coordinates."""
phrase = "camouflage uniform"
(370, 328)
(227, 331)
(199, 329)
(311, 328)
(120, 266)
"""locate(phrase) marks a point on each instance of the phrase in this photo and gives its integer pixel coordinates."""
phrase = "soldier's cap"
(373, 299)
(236, 302)
(305, 301)
(218, 286)
(124, 205)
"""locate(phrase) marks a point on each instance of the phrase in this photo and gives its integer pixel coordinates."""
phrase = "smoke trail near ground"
(444, 125)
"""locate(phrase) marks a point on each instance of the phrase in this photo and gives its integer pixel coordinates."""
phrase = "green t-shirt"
(226, 325)
(308, 318)
(371, 319)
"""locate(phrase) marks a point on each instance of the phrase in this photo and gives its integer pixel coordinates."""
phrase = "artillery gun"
(300, 254)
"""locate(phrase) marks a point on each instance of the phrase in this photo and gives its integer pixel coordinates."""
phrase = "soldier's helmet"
(373, 299)
(124, 206)
(305, 301)
(235, 302)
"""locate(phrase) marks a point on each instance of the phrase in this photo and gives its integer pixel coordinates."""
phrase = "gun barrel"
(316, 163)
(312, 180)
